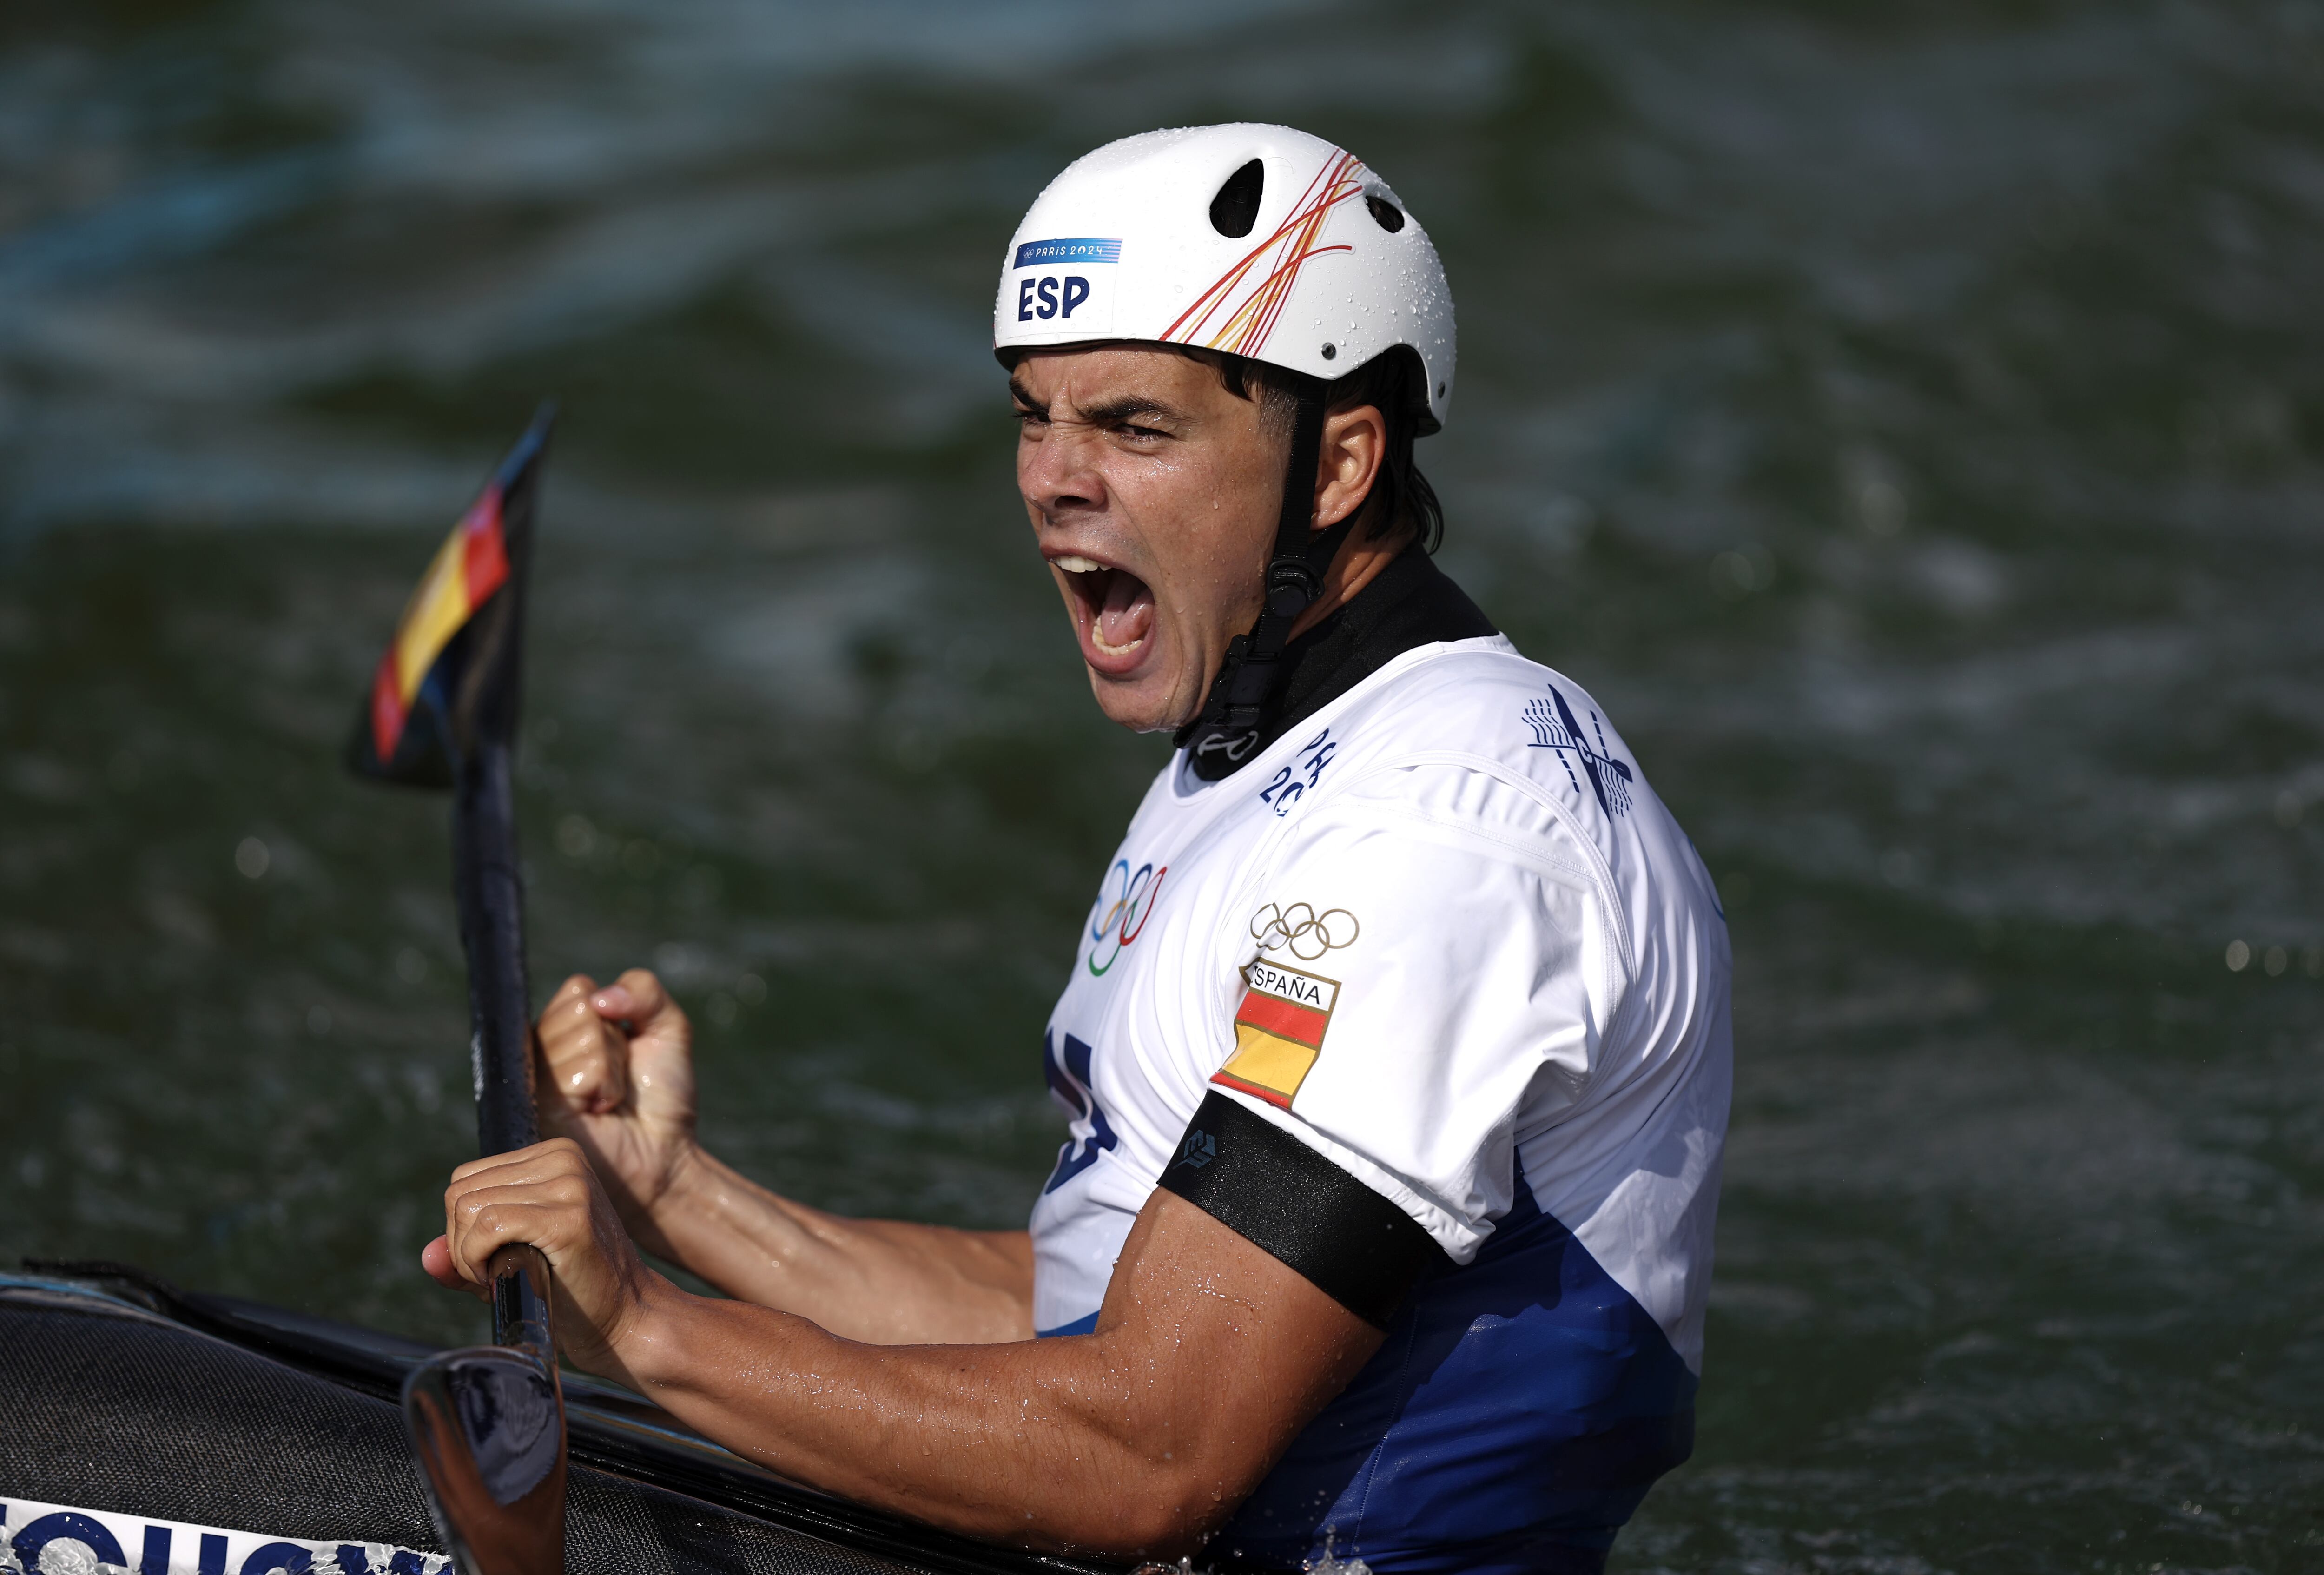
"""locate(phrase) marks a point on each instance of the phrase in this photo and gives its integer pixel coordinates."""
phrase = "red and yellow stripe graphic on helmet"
(471, 565)
(1250, 320)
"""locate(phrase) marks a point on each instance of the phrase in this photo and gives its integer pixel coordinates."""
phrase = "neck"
(1356, 565)
(1401, 602)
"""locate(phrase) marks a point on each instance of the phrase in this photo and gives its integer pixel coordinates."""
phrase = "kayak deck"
(121, 1392)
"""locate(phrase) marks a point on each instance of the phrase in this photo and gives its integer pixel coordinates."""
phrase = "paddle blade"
(488, 1424)
(449, 679)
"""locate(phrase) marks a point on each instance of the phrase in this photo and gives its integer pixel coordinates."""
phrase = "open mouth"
(1112, 609)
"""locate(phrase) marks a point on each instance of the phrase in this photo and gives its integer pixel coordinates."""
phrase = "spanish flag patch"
(1278, 1032)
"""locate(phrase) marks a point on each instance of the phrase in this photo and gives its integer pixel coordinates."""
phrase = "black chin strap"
(1234, 718)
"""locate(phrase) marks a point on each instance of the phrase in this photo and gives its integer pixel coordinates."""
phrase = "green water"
(1909, 419)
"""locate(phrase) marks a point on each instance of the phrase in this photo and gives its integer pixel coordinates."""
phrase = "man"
(1397, 1046)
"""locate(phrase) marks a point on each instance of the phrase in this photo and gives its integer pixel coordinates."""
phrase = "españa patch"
(1278, 1032)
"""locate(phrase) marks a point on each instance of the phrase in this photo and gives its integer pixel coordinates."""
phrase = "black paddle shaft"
(488, 882)
(481, 728)
(491, 890)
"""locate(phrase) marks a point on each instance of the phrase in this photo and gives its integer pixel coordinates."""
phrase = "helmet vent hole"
(1330, 351)
(1236, 206)
(1390, 217)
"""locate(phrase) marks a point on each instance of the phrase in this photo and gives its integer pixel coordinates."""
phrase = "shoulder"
(1475, 730)
(1472, 743)
(1480, 697)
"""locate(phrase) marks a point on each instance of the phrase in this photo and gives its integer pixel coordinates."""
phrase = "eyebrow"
(1128, 407)
(1109, 412)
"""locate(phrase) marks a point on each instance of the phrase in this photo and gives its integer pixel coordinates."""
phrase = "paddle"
(487, 1422)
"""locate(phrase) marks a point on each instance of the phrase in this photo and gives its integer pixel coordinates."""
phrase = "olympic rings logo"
(1115, 924)
(1304, 932)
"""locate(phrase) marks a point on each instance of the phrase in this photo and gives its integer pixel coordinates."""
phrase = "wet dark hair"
(1394, 383)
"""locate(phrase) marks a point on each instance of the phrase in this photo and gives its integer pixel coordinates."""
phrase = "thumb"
(436, 1258)
(638, 998)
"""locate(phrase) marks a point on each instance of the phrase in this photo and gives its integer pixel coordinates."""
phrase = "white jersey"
(1443, 934)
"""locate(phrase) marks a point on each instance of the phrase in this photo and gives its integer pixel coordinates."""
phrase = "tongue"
(1126, 614)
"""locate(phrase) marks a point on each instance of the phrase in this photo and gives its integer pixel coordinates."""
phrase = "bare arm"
(883, 1281)
(617, 1078)
(1139, 1439)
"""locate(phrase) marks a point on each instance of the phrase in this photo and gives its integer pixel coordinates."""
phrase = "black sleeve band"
(1276, 1192)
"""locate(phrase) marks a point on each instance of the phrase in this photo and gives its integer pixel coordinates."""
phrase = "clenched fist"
(616, 1076)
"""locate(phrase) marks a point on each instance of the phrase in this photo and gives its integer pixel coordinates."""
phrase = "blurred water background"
(1907, 418)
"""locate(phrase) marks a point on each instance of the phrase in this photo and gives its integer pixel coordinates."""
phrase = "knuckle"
(578, 1053)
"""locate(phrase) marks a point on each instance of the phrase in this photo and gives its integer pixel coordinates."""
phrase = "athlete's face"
(1154, 492)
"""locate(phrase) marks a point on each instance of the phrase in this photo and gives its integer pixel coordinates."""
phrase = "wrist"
(688, 1177)
(646, 1350)
(683, 1187)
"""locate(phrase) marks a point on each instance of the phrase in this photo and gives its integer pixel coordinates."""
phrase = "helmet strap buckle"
(1243, 698)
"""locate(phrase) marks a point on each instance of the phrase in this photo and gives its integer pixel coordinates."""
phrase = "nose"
(1057, 472)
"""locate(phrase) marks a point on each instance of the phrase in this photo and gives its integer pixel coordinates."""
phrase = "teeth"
(1075, 565)
(1098, 640)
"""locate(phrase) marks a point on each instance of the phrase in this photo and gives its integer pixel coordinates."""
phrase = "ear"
(1347, 462)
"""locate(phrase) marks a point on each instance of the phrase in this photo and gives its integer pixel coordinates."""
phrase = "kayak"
(167, 1433)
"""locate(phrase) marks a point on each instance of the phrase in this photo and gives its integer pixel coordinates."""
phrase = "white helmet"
(1256, 240)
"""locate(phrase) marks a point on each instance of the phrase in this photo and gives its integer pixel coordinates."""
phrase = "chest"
(1167, 927)
(1147, 1014)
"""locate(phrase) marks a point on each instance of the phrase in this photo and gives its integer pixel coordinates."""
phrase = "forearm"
(1059, 1444)
(1209, 1355)
(880, 1282)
